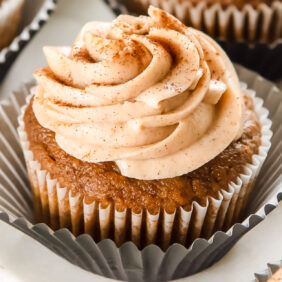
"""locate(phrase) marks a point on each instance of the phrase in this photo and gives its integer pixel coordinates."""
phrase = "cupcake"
(10, 14)
(140, 131)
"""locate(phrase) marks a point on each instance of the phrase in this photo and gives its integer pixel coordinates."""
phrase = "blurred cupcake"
(10, 14)
(140, 132)
(248, 21)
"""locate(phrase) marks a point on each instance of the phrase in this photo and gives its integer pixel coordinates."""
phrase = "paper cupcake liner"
(127, 262)
(30, 24)
(10, 13)
(267, 273)
(246, 24)
(58, 207)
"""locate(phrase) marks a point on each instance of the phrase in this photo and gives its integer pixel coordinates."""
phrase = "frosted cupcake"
(140, 132)
(10, 14)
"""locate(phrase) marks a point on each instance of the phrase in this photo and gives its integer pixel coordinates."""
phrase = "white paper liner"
(10, 13)
(260, 24)
(108, 222)
(267, 273)
(127, 262)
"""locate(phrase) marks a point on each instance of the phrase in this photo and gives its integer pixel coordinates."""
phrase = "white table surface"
(24, 259)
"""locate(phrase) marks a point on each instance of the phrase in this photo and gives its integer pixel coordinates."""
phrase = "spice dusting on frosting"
(148, 93)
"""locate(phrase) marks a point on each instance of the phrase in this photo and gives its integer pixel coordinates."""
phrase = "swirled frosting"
(157, 98)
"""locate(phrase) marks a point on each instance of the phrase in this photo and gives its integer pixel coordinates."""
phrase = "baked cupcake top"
(157, 98)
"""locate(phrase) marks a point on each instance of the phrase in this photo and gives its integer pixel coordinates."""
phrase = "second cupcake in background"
(10, 15)
(239, 21)
(140, 132)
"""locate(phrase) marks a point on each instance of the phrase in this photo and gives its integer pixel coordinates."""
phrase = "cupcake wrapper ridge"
(58, 207)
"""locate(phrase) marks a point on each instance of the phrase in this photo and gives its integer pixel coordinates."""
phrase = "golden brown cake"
(140, 131)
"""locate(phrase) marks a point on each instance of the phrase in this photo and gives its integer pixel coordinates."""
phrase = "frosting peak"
(157, 98)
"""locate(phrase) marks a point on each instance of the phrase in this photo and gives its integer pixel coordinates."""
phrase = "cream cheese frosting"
(150, 94)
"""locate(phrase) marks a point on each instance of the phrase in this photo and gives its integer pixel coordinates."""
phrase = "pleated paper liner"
(265, 275)
(248, 45)
(127, 262)
(33, 15)
(130, 264)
